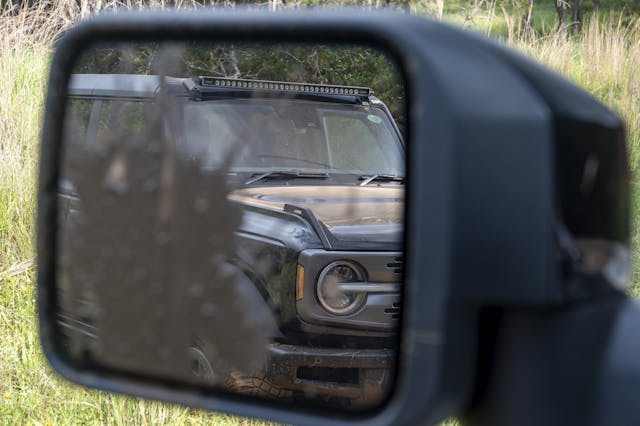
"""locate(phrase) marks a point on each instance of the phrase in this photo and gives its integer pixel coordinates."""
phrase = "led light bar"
(282, 86)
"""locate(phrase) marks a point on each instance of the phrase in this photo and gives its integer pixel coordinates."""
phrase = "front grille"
(394, 310)
(396, 265)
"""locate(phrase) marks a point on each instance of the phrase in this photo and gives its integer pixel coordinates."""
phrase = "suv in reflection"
(318, 172)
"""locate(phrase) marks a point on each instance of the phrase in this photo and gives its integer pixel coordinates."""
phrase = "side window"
(77, 122)
(118, 118)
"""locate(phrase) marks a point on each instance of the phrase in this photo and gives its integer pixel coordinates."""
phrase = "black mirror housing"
(491, 140)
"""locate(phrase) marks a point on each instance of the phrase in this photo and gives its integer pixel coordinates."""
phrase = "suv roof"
(147, 86)
(116, 85)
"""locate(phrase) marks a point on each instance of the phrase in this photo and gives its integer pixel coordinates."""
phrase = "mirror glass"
(231, 218)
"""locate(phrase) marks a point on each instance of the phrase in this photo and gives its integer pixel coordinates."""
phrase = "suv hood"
(358, 214)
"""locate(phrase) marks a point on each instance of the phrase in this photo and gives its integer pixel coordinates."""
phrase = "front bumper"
(355, 374)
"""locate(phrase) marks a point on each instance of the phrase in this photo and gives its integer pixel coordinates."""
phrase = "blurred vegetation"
(542, 17)
(603, 57)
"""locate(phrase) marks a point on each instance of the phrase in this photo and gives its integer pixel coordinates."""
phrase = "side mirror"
(272, 246)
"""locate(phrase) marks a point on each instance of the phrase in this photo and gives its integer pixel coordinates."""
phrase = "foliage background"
(603, 56)
(345, 65)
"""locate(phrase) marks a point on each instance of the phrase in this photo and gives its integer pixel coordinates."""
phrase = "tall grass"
(604, 59)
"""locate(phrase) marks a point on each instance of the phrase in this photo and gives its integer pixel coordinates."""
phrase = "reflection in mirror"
(238, 232)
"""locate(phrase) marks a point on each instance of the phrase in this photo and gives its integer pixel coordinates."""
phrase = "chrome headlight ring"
(331, 297)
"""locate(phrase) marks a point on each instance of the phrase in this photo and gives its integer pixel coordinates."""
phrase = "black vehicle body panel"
(270, 239)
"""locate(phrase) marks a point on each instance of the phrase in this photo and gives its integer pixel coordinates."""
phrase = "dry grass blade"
(17, 269)
(34, 24)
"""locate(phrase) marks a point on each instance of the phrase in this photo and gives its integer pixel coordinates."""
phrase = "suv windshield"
(264, 135)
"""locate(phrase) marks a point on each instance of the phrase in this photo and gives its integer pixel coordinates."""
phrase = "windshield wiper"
(287, 174)
(367, 179)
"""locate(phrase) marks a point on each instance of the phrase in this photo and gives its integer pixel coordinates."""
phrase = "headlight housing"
(331, 297)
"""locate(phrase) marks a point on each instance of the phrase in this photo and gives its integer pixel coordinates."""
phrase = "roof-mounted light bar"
(282, 86)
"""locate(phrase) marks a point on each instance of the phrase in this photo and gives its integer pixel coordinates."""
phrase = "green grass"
(604, 60)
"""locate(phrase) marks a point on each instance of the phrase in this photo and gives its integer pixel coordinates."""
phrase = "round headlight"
(331, 297)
